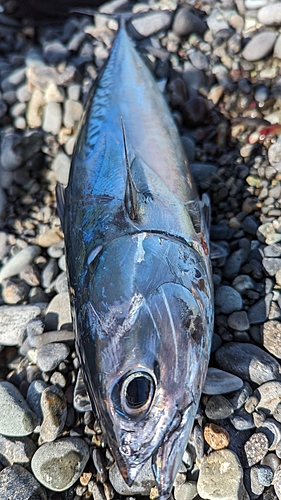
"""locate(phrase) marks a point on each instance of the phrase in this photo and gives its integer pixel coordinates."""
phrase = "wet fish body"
(139, 269)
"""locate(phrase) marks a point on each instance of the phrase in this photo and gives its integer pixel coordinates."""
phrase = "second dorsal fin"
(131, 192)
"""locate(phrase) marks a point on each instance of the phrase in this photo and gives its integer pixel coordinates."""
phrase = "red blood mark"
(204, 246)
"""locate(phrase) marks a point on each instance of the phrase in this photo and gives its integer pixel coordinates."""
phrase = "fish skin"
(137, 251)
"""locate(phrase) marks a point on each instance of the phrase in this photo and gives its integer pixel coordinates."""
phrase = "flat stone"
(13, 322)
(270, 15)
(218, 408)
(248, 361)
(58, 312)
(16, 418)
(59, 464)
(54, 410)
(49, 273)
(221, 382)
(228, 300)
(16, 450)
(216, 437)
(256, 448)
(221, 476)
(260, 46)
(17, 483)
(142, 485)
(51, 355)
(271, 337)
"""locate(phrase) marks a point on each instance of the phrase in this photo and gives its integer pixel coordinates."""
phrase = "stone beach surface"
(218, 63)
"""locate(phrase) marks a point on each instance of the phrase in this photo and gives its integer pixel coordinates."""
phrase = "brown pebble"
(85, 478)
(216, 437)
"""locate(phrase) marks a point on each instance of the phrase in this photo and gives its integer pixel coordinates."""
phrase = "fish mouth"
(167, 457)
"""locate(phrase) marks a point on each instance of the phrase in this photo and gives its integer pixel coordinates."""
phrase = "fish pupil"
(138, 391)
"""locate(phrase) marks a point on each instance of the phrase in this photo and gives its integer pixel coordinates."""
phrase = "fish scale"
(137, 251)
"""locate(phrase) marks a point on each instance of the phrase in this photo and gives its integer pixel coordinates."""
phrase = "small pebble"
(17, 263)
(16, 450)
(216, 437)
(142, 485)
(220, 382)
(271, 337)
(228, 300)
(18, 484)
(218, 407)
(238, 321)
(33, 398)
(256, 448)
(58, 312)
(54, 410)
(51, 355)
(187, 21)
(16, 418)
(260, 46)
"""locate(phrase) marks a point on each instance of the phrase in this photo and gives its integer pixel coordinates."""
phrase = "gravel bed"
(218, 63)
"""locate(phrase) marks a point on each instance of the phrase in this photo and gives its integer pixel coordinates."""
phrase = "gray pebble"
(58, 312)
(61, 284)
(16, 450)
(228, 300)
(277, 48)
(264, 474)
(272, 250)
(16, 418)
(99, 465)
(250, 224)
(239, 398)
(256, 448)
(220, 382)
(216, 481)
(271, 460)
(50, 337)
(247, 361)
(59, 464)
(55, 52)
(216, 21)
(260, 46)
(81, 400)
(56, 250)
(19, 484)
(51, 355)
(271, 337)
(49, 273)
(19, 261)
(270, 15)
(189, 147)
(10, 158)
(272, 265)
(52, 118)
(186, 491)
(30, 275)
(242, 420)
(33, 397)
(152, 22)
(187, 20)
(257, 313)
(13, 322)
(238, 321)
(202, 172)
(142, 485)
(218, 407)
(54, 410)
(234, 263)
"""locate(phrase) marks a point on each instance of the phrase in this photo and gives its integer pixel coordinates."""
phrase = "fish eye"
(136, 392)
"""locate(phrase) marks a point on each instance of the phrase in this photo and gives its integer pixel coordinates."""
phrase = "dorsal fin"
(131, 193)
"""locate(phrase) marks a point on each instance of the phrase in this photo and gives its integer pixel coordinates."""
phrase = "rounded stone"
(16, 450)
(16, 418)
(221, 382)
(277, 482)
(216, 437)
(247, 361)
(271, 337)
(59, 464)
(17, 483)
(270, 15)
(142, 485)
(58, 312)
(187, 21)
(220, 476)
(238, 320)
(228, 300)
(256, 448)
(260, 46)
(218, 407)
(269, 396)
(19, 261)
(49, 356)
(54, 410)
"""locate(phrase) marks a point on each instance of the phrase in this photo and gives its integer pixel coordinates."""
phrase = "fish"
(139, 270)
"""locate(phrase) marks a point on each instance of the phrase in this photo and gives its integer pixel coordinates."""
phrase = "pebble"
(52, 118)
(19, 261)
(54, 410)
(239, 397)
(218, 407)
(73, 111)
(51, 236)
(260, 46)
(16, 450)
(17, 483)
(61, 167)
(272, 430)
(152, 22)
(221, 382)
(142, 485)
(13, 322)
(248, 361)
(188, 21)
(271, 265)
(220, 476)
(257, 313)
(16, 418)
(256, 448)
(277, 482)
(14, 291)
(270, 15)
(186, 491)
(55, 52)
(81, 400)
(51, 355)
(242, 420)
(216, 21)
(59, 464)
(49, 273)
(228, 300)
(216, 437)
(271, 337)
(234, 263)
(58, 312)
(33, 398)
(269, 396)
(238, 321)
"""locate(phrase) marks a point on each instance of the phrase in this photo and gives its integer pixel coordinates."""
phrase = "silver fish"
(137, 250)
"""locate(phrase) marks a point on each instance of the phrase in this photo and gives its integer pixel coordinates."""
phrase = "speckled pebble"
(220, 476)
(271, 337)
(18, 484)
(16, 418)
(59, 464)
(51, 355)
(277, 482)
(16, 450)
(221, 382)
(256, 448)
(54, 410)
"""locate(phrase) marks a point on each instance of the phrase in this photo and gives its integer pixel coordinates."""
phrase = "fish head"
(144, 324)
